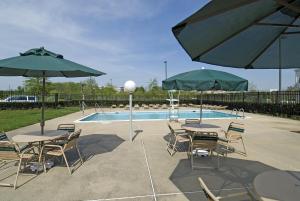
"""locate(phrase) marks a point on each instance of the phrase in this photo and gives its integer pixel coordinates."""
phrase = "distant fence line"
(284, 103)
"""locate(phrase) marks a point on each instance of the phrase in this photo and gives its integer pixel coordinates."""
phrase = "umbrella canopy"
(204, 80)
(248, 34)
(40, 62)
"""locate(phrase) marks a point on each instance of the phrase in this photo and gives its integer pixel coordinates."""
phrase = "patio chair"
(60, 150)
(178, 136)
(234, 135)
(11, 152)
(211, 197)
(203, 141)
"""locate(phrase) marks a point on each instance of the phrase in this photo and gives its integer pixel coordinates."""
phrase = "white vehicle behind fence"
(21, 98)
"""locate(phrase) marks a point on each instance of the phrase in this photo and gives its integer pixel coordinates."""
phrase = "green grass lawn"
(13, 119)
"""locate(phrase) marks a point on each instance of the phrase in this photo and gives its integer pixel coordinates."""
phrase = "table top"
(37, 137)
(278, 185)
(196, 127)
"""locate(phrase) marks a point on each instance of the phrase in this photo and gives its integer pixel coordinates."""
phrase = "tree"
(152, 83)
(140, 90)
(35, 85)
(295, 87)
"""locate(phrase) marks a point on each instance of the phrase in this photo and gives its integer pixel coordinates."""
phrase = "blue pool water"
(155, 115)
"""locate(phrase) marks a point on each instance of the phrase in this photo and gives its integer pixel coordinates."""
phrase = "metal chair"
(203, 141)
(211, 197)
(11, 152)
(234, 135)
(59, 150)
(178, 136)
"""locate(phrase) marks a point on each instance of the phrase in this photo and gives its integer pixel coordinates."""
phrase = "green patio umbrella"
(205, 80)
(248, 34)
(39, 62)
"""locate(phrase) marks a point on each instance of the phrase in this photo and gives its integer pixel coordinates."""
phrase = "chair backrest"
(3, 136)
(72, 139)
(235, 130)
(206, 140)
(66, 127)
(210, 196)
(8, 149)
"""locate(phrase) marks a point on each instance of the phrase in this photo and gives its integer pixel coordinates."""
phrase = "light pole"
(166, 68)
(129, 87)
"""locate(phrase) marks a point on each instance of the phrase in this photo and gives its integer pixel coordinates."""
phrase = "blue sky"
(127, 39)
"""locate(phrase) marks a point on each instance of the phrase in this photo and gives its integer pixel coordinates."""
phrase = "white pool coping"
(148, 111)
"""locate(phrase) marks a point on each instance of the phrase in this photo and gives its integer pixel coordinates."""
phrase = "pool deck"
(142, 170)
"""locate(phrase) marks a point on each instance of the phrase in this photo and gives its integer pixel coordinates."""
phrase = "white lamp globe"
(129, 86)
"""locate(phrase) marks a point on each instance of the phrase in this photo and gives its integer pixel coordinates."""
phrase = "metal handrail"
(243, 111)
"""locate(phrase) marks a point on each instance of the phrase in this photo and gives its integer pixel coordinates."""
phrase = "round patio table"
(278, 185)
(196, 127)
(36, 136)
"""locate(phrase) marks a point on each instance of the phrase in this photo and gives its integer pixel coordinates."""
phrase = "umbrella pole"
(43, 105)
(279, 57)
(201, 106)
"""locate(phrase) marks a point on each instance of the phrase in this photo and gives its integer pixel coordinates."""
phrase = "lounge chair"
(183, 105)
(234, 135)
(191, 105)
(203, 141)
(113, 106)
(146, 107)
(59, 150)
(127, 107)
(164, 106)
(136, 107)
(211, 197)
(155, 106)
(121, 106)
(11, 152)
(178, 136)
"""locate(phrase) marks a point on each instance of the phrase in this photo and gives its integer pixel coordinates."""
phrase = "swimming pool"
(154, 115)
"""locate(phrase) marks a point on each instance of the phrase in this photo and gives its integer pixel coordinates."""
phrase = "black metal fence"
(284, 103)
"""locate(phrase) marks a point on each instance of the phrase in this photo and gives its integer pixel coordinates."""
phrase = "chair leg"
(40, 159)
(244, 147)
(174, 148)
(79, 154)
(66, 162)
(192, 158)
(169, 142)
(19, 167)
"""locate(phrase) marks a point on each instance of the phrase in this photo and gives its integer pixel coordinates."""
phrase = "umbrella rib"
(63, 74)
(183, 23)
(249, 66)
(234, 34)
(24, 74)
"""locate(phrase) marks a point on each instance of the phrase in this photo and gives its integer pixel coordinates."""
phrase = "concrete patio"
(142, 170)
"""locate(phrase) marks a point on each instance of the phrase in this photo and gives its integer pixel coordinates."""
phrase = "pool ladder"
(237, 112)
